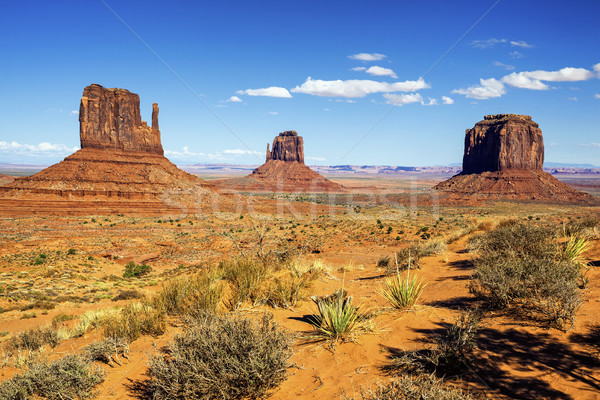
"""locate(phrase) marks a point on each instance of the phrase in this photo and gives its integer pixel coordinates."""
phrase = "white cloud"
(520, 43)
(273, 113)
(523, 81)
(591, 145)
(431, 102)
(507, 67)
(42, 149)
(533, 79)
(184, 153)
(359, 69)
(597, 96)
(240, 152)
(484, 44)
(380, 71)
(487, 89)
(573, 99)
(234, 99)
(515, 54)
(401, 99)
(368, 56)
(326, 109)
(356, 88)
(272, 91)
(597, 69)
(447, 100)
(75, 112)
(315, 158)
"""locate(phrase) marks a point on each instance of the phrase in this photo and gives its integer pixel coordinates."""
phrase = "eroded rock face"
(288, 146)
(502, 142)
(110, 118)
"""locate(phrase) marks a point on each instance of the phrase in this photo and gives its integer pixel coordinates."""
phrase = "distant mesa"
(121, 159)
(283, 171)
(504, 159)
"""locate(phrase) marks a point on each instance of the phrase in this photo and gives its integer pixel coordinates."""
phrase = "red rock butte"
(503, 159)
(120, 167)
(283, 171)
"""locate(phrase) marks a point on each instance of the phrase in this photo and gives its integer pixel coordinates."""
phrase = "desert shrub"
(71, 377)
(33, 340)
(420, 387)
(107, 350)
(402, 293)
(93, 319)
(133, 321)
(128, 295)
(581, 226)
(189, 295)
(409, 257)
(574, 248)
(71, 252)
(338, 318)
(62, 318)
(246, 277)
(222, 357)
(133, 270)
(383, 262)
(452, 351)
(521, 267)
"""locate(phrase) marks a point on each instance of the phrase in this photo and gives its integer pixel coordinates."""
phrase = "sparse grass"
(128, 295)
(190, 295)
(403, 293)
(246, 277)
(32, 340)
(410, 257)
(222, 357)
(338, 319)
(71, 377)
(133, 321)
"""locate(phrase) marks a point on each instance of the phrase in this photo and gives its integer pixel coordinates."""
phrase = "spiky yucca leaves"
(403, 293)
(574, 249)
(338, 318)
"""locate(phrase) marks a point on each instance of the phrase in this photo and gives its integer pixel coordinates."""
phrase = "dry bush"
(286, 291)
(582, 227)
(189, 295)
(107, 350)
(521, 267)
(452, 353)
(247, 277)
(32, 340)
(409, 257)
(71, 377)
(222, 357)
(128, 295)
(133, 321)
(420, 387)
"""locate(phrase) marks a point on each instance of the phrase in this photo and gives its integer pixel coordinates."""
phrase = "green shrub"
(521, 267)
(133, 270)
(71, 377)
(71, 252)
(222, 357)
(338, 318)
(402, 293)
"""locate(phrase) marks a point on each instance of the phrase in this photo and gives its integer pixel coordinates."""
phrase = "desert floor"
(85, 257)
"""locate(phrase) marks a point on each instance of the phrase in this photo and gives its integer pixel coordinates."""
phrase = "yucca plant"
(574, 248)
(338, 318)
(403, 293)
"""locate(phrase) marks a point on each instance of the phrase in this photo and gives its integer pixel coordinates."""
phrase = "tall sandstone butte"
(120, 166)
(283, 171)
(503, 142)
(503, 159)
(110, 118)
(287, 146)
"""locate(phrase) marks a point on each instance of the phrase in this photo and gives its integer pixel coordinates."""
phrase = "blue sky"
(364, 82)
